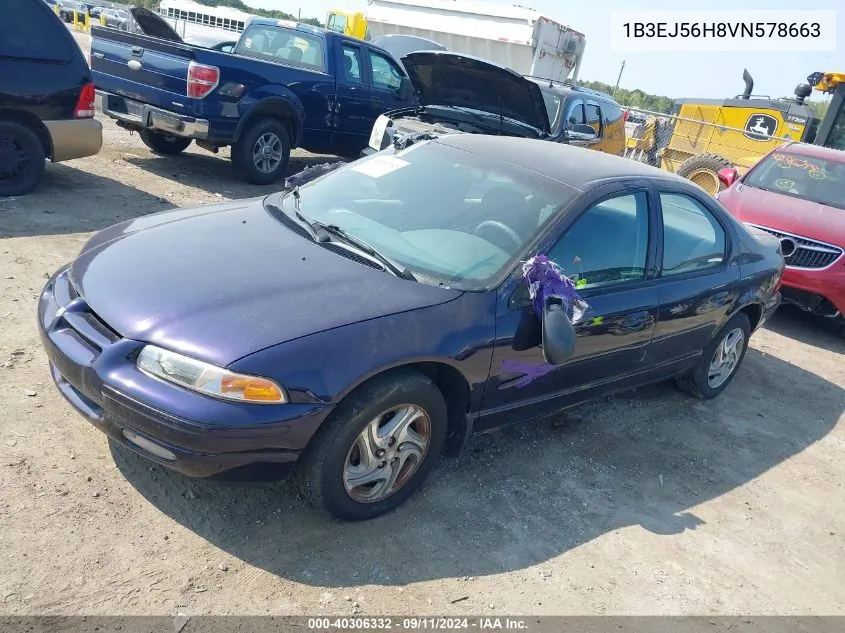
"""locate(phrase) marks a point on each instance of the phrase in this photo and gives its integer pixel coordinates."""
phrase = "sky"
(677, 74)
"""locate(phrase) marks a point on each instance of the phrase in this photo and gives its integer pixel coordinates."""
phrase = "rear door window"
(693, 240)
(33, 32)
(352, 63)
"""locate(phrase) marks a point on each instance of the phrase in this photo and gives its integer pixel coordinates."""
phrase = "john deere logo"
(761, 127)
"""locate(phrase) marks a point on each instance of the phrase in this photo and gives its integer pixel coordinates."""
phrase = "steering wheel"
(500, 226)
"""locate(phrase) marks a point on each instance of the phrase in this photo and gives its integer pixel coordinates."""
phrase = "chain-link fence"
(700, 141)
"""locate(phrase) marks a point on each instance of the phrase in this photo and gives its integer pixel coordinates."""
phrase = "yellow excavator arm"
(827, 82)
(831, 130)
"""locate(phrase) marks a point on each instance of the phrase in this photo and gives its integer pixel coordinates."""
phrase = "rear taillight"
(202, 79)
(85, 104)
(625, 115)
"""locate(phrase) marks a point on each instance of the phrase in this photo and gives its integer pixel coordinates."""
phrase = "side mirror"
(581, 133)
(728, 176)
(558, 333)
(406, 89)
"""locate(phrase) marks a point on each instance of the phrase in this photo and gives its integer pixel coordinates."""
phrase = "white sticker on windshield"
(379, 166)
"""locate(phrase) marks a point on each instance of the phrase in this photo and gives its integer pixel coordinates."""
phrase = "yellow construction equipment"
(351, 23)
(702, 136)
(831, 129)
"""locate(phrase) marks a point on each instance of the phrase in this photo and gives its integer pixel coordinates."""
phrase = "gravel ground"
(649, 503)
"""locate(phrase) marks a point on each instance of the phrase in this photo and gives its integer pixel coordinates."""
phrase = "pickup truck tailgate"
(146, 69)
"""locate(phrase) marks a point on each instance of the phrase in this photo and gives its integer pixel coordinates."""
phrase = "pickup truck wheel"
(21, 159)
(164, 143)
(261, 154)
(376, 448)
(720, 361)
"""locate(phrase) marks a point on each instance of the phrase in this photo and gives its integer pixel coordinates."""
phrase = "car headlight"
(208, 379)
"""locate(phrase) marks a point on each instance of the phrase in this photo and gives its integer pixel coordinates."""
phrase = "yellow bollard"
(56, 10)
(102, 20)
(81, 24)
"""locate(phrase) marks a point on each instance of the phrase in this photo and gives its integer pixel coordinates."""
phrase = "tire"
(697, 381)
(21, 159)
(262, 169)
(334, 454)
(162, 143)
(703, 170)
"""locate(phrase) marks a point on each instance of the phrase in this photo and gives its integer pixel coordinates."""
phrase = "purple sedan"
(370, 320)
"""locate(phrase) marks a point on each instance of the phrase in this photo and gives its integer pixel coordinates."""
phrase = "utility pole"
(619, 78)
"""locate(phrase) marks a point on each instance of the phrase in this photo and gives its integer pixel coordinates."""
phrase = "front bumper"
(821, 292)
(142, 116)
(74, 138)
(94, 369)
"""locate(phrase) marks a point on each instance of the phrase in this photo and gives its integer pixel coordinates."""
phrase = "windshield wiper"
(332, 229)
(322, 232)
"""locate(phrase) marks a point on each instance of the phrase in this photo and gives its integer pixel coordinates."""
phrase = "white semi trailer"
(522, 39)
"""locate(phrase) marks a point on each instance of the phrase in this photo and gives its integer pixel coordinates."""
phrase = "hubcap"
(705, 179)
(387, 453)
(267, 152)
(13, 158)
(726, 358)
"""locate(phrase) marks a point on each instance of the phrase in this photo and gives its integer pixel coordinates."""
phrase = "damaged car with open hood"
(460, 93)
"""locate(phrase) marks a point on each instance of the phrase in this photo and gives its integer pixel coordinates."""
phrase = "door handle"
(137, 51)
(375, 100)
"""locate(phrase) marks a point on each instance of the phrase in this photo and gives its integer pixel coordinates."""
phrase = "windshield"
(806, 177)
(443, 213)
(552, 103)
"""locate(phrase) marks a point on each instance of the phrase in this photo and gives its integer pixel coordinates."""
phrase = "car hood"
(451, 79)
(222, 281)
(786, 213)
(154, 25)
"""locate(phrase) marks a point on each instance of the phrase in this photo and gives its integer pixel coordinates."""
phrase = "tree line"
(657, 103)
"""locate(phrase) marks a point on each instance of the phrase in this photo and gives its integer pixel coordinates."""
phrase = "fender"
(280, 101)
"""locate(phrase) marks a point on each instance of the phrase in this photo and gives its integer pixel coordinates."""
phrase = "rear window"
(33, 31)
(286, 46)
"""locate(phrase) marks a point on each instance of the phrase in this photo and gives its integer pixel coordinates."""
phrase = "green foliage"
(818, 108)
(240, 6)
(633, 98)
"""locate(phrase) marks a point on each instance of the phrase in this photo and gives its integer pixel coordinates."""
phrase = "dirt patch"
(652, 503)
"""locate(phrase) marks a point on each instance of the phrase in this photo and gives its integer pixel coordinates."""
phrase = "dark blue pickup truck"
(285, 85)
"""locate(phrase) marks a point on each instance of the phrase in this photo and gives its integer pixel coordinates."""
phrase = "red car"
(797, 193)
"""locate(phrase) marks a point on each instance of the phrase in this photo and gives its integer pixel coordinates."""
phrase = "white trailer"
(521, 39)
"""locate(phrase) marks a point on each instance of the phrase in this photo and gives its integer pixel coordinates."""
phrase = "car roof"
(814, 151)
(573, 166)
(565, 89)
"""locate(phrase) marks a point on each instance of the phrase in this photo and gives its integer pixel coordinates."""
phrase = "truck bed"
(154, 72)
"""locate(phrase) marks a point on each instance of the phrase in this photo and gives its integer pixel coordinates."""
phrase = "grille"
(809, 254)
(80, 318)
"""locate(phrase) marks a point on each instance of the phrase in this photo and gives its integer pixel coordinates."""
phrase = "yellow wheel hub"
(706, 179)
